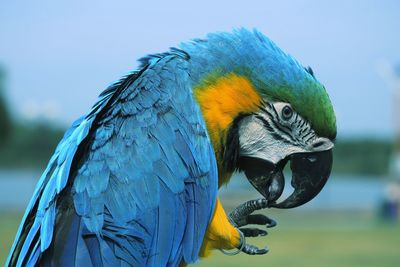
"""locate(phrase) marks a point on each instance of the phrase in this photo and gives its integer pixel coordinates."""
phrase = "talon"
(253, 250)
(253, 232)
(261, 219)
(271, 223)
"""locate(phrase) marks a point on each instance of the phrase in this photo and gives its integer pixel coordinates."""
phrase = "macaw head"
(263, 110)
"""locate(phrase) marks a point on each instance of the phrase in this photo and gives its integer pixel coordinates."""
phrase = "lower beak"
(310, 171)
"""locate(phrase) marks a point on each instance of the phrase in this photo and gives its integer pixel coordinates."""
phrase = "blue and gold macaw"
(135, 181)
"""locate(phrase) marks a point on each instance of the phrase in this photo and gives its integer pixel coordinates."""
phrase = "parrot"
(134, 182)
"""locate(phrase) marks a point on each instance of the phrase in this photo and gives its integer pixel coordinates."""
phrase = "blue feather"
(34, 255)
(166, 225)
(46, 229)
(142, 189)
(82, 256)
(31, 238)
(93, 247)
(108, 256)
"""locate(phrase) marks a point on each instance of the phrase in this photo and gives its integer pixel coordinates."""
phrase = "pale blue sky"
(61, 55)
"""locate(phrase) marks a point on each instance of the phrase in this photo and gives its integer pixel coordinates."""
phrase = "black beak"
(310, 171)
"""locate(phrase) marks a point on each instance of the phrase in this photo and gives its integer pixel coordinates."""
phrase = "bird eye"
(287, 113)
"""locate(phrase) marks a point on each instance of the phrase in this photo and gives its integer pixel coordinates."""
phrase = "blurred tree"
(30, 145)
(367, 157)
(5, 121)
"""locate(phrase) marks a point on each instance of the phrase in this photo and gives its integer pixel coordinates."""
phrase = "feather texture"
(125, 185)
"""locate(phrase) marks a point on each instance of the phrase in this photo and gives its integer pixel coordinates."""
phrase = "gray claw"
(271, 223)
(253, 250)
(261, 219)
(253, 232)
(242, 215)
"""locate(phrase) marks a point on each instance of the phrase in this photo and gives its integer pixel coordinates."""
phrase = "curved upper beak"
(310, 171)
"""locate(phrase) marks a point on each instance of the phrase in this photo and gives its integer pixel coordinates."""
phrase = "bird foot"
(242, 216)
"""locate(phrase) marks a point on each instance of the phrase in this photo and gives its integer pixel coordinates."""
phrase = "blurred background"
(56, 57)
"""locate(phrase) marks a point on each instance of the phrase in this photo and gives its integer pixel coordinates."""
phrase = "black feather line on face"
(231, 147)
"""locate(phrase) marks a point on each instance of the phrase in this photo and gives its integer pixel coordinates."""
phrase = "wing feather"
(137, 174)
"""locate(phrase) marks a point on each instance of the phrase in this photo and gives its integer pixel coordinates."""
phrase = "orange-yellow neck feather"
(220, 102)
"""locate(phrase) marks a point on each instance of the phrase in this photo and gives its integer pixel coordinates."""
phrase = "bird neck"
(221, 100)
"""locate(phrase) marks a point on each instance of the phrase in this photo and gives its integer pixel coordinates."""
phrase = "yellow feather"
(221, 102)
(220, 234)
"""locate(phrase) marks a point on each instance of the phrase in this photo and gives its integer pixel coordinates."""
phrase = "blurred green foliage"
(362, 156)
(5, 121)
(30, 145)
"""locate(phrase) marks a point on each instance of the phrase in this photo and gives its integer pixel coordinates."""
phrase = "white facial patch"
(268, 136)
